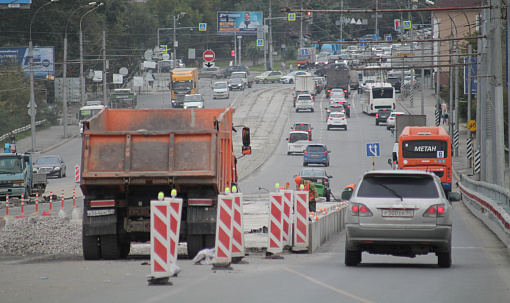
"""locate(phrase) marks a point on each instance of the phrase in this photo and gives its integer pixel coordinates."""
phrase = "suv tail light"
(434, 211)
(306, 153)
(377, 116)
(360, 210)
(325, 153)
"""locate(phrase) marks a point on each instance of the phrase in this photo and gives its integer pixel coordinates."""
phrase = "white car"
(304, 102)
(193, 101)
(337, 119)
(390, 122)
(298, 141)
(290, 77)
(220, 90)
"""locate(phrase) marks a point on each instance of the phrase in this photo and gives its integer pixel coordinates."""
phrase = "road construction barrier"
(165, 226)
(22, 215)
(288, 202)
(48, 213)
(275, 233)
(301, 201)
(77, 174)
(325, 226)
(238, 250)
(7, 205)
(62, 213)
(37, 203)
(223, 248)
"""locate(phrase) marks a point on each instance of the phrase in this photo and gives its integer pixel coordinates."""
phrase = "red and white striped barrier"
(275, 237)
(36, 203)
(77, 173)
(7, 205)
(48, 213)
(300, 220)
(165, 226)
(224, 218)
(238, 250)
(62, 213)
(288, 201)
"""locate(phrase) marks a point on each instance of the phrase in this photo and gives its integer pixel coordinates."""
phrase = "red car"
(306, 127)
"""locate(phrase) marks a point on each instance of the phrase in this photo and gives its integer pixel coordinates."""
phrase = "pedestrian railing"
(22, 129)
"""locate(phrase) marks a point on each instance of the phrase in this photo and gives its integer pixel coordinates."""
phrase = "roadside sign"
(292, 17)
(202, 27)
(471, 125)
(209, 55)
(407, 24)
(373, 149)
(208, 64)
(363, 44)
(387, 37)
(260, 42)
(163, 49)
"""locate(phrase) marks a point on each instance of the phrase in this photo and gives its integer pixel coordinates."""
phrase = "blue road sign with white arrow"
(373, 149)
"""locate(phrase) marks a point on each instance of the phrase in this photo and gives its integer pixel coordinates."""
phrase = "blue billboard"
(44, 59)
(241, 23)
(474, 73)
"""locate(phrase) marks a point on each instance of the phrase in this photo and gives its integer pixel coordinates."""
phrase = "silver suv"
(401, 213)
(304, 102)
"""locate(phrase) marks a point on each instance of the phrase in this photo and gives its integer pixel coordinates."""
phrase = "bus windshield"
(380, 92)
(86, 114)
(424, 149)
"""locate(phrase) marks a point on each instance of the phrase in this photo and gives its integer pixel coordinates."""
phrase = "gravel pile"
(40, 235)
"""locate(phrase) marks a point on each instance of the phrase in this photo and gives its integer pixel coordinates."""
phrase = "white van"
(298, 141)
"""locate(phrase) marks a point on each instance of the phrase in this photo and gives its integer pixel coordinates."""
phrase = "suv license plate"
(397, 213)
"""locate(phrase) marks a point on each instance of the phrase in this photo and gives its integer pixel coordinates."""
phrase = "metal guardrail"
(490, 203)
(498, 194)
(22, 129)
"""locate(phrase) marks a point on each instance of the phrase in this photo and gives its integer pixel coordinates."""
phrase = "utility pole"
(301, 26)
(499, 139)
(342, 21)
(270, 37)
(105, 83)
(457, 114)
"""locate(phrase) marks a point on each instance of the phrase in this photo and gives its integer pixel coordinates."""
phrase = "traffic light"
(309, 14)
(396, 24)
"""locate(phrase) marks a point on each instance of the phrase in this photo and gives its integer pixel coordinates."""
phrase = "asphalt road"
(480, 270)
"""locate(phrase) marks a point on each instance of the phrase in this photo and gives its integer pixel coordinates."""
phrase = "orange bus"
(427, 148)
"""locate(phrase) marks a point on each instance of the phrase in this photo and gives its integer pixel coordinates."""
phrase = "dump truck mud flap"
(99, 225)
(201, 220)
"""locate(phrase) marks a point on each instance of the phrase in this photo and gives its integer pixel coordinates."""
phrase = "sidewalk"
(460, 163)
(48, 139)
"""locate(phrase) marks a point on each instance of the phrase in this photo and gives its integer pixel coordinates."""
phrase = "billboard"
(240, 23)
(474, 73)
(44, 59)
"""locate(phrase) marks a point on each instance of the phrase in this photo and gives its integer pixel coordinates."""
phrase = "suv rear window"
(304, 97)
(301, 127)
(294, 137)
(391, 186)
(315, 148)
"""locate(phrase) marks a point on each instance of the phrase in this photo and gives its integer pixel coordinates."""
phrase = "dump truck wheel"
(195, 244)
(91, 248)
(110, 248)
(125, 248)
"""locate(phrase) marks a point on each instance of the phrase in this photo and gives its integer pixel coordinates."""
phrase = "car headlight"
(18, 184)
(56, 168)
(185, 107)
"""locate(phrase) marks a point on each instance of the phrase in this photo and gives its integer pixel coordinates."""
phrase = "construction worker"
(313, 194)
(350, 187)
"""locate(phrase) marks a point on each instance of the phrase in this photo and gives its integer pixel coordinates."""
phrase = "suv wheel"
(352, 258)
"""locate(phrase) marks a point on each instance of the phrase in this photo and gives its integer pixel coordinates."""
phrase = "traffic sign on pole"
(373, 149)
(209, 55)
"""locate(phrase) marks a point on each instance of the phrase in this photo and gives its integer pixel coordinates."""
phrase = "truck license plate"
(100, 212)
(397, 213)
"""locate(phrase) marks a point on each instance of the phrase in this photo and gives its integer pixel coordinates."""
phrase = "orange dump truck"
(130, 155)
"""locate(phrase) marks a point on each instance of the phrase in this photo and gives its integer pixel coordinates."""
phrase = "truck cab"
(16, 176)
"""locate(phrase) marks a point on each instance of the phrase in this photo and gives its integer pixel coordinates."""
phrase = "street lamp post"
(32, 104)
(82, 78)
(65, 84)
(176, 18)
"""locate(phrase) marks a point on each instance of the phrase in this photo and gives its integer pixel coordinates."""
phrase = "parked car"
(221, 90)
(227, 72)
(316, 154)
(306, 127)
(268, 76)
(51, 165)
(337, 120)
(236, 83)
(401, 213)
(290, 77)
(390, 122)
(304, 102)
(193, 101)
(382, 116)
(320, 178)
(211, 72)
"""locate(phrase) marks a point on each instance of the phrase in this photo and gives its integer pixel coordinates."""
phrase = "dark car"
(227, 72)
(236, 83)
(382, 115)
(395, 82)
(320, 178)
(50, 165)
(306, 127)
(316, 154)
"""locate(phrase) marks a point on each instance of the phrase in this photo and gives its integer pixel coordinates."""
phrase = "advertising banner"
(44, 59)
(242, 23)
